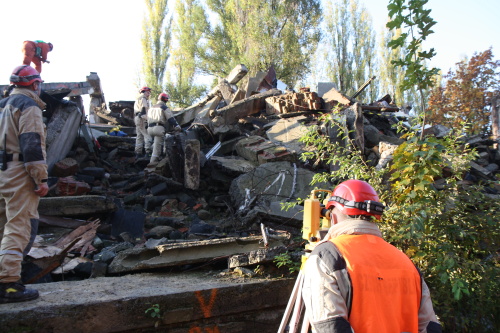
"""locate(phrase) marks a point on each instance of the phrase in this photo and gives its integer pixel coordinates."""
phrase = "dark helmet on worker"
(356, 197)
(24, 75)
(163, 97)
(143, 89)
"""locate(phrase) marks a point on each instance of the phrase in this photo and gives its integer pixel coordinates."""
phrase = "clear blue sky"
(103, 36)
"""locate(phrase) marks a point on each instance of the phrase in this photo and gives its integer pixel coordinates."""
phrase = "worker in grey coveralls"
(23, 178)
(160, 117)
(141, 106)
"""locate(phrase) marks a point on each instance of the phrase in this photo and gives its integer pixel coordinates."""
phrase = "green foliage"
(391, 76)
(189, 28)
(348, 43)
(344, 156)
(415, 24)
(467, 94)
(285, 260)
(447, 228)
(155, 44)
(260, 34)
(154, 312)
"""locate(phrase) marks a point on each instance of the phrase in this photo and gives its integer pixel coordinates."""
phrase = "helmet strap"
(369, 206)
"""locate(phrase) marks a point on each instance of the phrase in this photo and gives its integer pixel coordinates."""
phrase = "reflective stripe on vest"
(12, 252)
(386, 285)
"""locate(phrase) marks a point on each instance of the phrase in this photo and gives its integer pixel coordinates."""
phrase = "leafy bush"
(447, 228)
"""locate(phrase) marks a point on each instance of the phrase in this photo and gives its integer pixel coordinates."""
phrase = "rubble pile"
(215, 196)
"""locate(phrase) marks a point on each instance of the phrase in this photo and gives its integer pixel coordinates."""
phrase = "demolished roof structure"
(217, 192)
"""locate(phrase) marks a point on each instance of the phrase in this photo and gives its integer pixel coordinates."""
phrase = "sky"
(103, 36)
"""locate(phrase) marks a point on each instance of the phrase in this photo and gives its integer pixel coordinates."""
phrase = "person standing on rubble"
(355, 281)
(23, 178)
(141, 107)
(36, 52)
(160, 118)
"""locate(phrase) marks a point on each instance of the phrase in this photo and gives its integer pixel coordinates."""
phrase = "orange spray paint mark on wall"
(207, 330)
(206, 308)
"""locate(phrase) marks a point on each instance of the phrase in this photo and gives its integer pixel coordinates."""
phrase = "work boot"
(16, 292)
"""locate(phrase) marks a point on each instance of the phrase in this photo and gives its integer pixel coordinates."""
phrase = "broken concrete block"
(192, 164)
(334, 97)
(62, 130)
(250, 147)
(76, 205)
(233, 165)
(287, 132)
(68, 186)
(276, 154)
(275, 181)
(65, 168)
(260, 256)
(256, 149)
(386, 150)
(231, 114)
(253, 83)
(137, 259)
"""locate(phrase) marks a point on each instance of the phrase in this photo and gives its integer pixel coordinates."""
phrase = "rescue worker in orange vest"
(36, 52)
(159, 117)
(354, 281)
(23, 178)
(141, 107)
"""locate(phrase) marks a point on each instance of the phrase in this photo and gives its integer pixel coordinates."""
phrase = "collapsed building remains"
(216, 194)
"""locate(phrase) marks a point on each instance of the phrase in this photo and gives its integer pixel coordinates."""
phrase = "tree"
(261, 33)
(189, 28)
(467, 93)
(415, 23)
(349, 41)
(155, 44)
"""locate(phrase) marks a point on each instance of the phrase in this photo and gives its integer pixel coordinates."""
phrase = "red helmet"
(143, 89)
(356, 197)
(163, 97)
(24, 76)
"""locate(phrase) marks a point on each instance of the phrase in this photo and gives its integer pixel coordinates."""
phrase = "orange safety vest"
(386, 286)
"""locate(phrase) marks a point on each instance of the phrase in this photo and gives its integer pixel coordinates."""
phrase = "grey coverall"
(143, 140)
(159, 116)
(22, 135)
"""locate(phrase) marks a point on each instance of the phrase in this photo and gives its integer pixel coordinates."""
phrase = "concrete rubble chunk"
(62, 130)
(275, 181)
(76, 205)
(231, 114)
(260, 256)
(138, 259)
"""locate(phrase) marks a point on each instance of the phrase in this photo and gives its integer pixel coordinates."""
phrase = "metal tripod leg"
(296, 305)
(305, 324)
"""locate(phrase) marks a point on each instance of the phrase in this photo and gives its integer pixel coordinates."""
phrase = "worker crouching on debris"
(159, 119)
(36, 52)
(141, 107)
(355, 281)
(23, 178)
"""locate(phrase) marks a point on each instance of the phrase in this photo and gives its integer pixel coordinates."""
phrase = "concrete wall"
(195, 302)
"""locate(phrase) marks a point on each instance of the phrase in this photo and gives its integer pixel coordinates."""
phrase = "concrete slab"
(198, 301)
